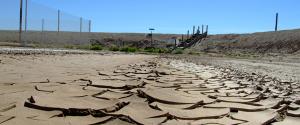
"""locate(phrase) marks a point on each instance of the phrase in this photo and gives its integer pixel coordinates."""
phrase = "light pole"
(151, 30)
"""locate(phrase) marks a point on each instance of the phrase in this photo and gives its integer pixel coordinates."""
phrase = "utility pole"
(58, 21)
(20, 28)
(90, 25)
(276, 23)
(26, 12)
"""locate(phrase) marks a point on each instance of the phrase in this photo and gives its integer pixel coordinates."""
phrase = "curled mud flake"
(212, 97)
(151, 99)
(171, 117)
(85, 80)
(78, 111)
(48, 91)
(80, 96)
(31, 99)
(47, 81)
(61, 83)
(102, 74)
(8, 84)
(115, 108)
(4, 119)
(155, 107)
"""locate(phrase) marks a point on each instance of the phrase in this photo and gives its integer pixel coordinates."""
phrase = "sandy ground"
(117, 89)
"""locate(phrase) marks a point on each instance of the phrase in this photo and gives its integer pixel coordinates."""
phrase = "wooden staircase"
(192, 40)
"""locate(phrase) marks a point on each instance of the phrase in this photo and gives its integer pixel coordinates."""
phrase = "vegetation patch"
(178, 51)
(114, 48)
(156, 50)
(128, 49)
(96, 47)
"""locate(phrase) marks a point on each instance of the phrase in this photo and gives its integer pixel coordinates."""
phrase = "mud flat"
(117, 89)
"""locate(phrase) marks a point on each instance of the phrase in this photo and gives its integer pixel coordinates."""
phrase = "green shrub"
(178, 51)
(128, 49)
(114, 48)
(155, 50)
(96, 47)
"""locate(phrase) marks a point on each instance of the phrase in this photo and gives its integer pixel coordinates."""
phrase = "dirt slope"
(266, 42)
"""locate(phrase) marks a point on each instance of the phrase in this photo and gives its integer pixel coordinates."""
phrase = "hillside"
(287, 41)
(62, 39)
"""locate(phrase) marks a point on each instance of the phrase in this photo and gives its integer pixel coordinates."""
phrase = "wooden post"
(276, 22)
(20, 28)
(58, 21)
(188, 34)
(182, 38)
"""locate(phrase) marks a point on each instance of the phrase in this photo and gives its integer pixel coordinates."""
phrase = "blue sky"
(177, 16)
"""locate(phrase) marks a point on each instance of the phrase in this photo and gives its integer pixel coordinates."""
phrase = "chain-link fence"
(41, 26)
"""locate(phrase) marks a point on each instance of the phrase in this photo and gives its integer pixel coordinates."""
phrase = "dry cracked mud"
(139, 89)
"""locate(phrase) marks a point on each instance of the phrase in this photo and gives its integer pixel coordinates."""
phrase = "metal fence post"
(193, 30)
(43, 23)
(26, 13)
(20, 28)
(80, 24)
(206, 29)
(202, 29)
(276, 22)
(90, 25)
(58, 21)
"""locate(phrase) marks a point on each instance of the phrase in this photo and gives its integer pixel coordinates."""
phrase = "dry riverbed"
(117, 89)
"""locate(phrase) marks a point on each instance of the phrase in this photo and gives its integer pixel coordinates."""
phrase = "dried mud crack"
(155, 91)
